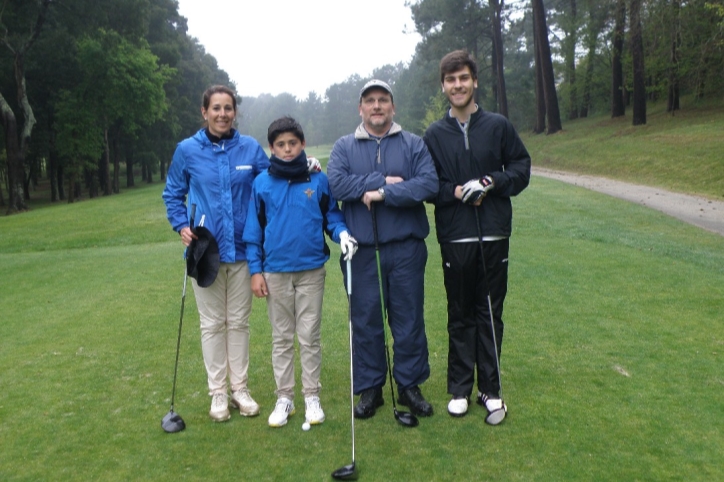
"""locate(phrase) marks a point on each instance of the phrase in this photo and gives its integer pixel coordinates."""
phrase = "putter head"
(406, 419)
(172, 422)
(347, 472)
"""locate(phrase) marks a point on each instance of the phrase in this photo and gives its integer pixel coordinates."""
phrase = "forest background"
(95, 90)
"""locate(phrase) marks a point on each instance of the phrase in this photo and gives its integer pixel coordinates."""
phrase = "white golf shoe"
(242, 400)
(313, 410)
(497, 409)
(282, 411)
(458, 406)
(219, 407)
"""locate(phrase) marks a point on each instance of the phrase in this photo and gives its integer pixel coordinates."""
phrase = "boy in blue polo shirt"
(289, 212)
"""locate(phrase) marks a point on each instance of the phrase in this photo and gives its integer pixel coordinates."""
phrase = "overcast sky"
(275, 46)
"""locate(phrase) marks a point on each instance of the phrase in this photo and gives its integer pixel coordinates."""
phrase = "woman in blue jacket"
(214, 169)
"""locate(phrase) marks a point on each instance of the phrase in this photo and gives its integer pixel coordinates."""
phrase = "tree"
(28, 18)
(674, 72)
(80, 140)
(597, 15)
(570, 40)
(618, 108)
(637, 55)
(501, 95)
(109, 63)
(543, 57)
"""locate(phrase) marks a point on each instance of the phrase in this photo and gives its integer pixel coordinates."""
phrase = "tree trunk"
(162, 170)
(570, 42)
(588, 78)
(618, 108)
(2, 197)
(15, 161)
(116, 164)
(61, 189)
(53, 167)
(106, 165)
(71, 188)
(543, 49)
(130, 180)
(672, 103)
(540, 103)
(639, 73)
(498, 50)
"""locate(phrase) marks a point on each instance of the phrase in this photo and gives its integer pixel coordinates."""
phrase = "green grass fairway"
(612, 362)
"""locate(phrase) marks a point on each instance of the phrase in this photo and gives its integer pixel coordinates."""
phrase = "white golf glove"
(476, 189)
(313, 165)
(348, 245)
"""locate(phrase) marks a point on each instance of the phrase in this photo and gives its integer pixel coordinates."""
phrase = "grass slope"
(611, 363)
(681, 152)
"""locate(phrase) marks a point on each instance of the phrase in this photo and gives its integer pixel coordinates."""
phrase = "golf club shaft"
(382, 304)
(490, 303)
(178, 340)
(351, 358)
(181, 317)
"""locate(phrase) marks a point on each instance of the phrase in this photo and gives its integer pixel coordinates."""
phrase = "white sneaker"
(242, 400)
(282, 411)
(458, 406)
(314, 413)
(219, 407)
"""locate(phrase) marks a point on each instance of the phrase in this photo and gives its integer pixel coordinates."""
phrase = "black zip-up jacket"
(490, 148)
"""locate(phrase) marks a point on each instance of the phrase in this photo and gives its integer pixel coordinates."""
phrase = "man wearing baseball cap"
(383, 175)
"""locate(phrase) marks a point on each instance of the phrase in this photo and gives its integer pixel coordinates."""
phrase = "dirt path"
(702, 212)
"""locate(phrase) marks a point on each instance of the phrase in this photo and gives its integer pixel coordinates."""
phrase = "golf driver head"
(496, 416)
(172, 422)
(406, 419)
(347, 472)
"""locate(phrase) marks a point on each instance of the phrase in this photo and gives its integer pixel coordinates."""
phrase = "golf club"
(172, 421)
(348, 472)
(496, 416)
(404, 418)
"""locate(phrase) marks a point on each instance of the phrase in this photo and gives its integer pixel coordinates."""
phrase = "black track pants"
(469, 330)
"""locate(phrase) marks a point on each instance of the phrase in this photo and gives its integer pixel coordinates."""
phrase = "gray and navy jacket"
(489, 146)
(360, 162)
(217, 177)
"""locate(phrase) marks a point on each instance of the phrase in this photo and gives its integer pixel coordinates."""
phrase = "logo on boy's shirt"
(309, 193)
(243, 168)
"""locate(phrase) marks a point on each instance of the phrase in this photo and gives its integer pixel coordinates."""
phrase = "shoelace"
(282, 406)
(219, 399)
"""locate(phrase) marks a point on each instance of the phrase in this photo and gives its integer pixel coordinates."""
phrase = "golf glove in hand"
(348, 245)
(313, 165)
(476, 189)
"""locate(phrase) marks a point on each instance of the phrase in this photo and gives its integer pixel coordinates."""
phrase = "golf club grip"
(349, 277)
(374, 225)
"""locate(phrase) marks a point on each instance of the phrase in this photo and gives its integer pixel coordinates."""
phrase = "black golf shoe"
(369, 400)
(412, 398)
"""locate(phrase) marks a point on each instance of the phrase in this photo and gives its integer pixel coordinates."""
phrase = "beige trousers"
(294, 304)
(224, 310)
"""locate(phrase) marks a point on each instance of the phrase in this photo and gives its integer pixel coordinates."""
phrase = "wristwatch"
(382, 192)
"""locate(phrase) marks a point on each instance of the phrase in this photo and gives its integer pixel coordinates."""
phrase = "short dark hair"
(282, 125)
(457, 60)
(217, 89)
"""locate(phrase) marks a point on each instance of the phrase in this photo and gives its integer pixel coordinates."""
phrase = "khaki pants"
(224, 310)
(294, 303)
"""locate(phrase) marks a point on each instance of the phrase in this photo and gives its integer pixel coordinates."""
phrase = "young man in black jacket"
(481, 162)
